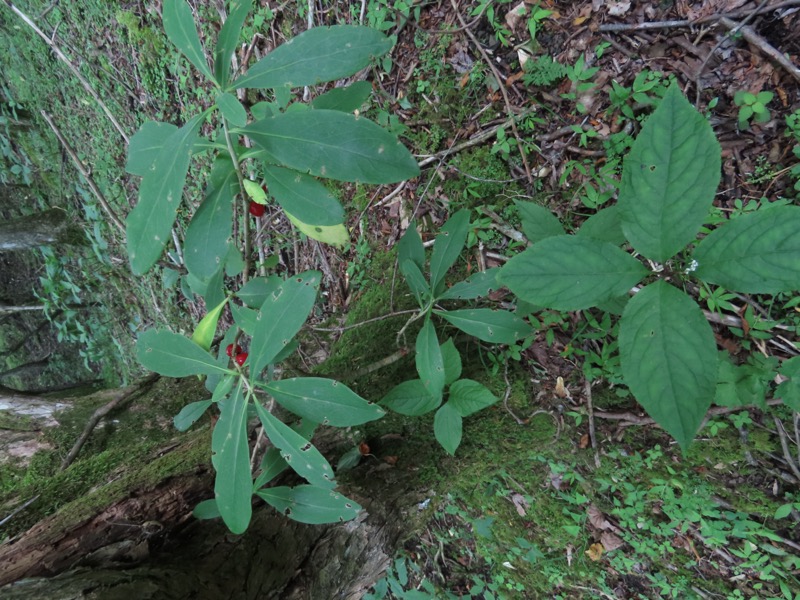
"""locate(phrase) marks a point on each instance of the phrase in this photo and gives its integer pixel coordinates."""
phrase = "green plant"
(647, 89)
(293, 146)
(580, 74)
(667, 349)
(543, 71)
(752, 107)
(439, 365)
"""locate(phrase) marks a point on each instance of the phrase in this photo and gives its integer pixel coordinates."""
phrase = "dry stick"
(702, 67)
(587, 390)
(78, 165)
(751, 36)
(502, 87)
(787, 455)
(620, 27)
(632, 419)
(75, 71)
(19, 509)
(99, 414)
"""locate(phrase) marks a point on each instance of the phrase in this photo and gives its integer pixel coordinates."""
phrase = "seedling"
(752, 107)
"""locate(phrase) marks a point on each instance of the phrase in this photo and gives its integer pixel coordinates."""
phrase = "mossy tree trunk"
(48, 228)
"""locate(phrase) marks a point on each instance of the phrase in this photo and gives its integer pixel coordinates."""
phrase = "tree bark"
(47, 228)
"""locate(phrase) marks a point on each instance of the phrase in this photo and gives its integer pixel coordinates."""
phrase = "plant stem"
(240, 177)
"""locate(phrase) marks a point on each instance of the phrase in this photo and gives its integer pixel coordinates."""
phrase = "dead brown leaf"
(595, 552)
(597, 518)
(610, 541)
(520, 504)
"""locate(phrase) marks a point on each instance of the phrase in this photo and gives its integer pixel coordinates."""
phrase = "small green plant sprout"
(752, 107)
(793, 130)
(439, 365)
(293, 146)
(667, 349)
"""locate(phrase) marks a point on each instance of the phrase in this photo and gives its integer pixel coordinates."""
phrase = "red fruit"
(256, 209)
(241, 358)
(230, 351)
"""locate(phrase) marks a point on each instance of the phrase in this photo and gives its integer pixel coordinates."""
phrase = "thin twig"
(501, 86)
(712, 412)
(72, 68)
(99, 414)
(101, 199)
(19, 509)
(787, 454)
(367, 322)
(506, 397)
(756, 40)
(587, 391)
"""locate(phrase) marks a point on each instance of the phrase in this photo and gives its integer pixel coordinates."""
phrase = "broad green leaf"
(181, 31)
(669, 179)
(416, 281)
(323, 401)
(475, 286)
(214, 291)
(569, 272)
(448, 245)
(332, 144)
(468, 397)
(207, 509)
(145, 146)
(234, 263)
(317, 55)
(303, 196)
(257, 290)
(229, 38)
(538, 223)
(254, 191)
(273, 464)
(150, 222)
(493, 326)
(669, 358)
(335, 235)
(208, 236)
(246, 318)
(452, 362)
(755, 253)
(789, 390)
(232, 109)
(297, 451)
(233, 485)
(430, 365)
(190, 413)
(739, 385)
(219, 385)
(447, 428)
(310, 504)
(174, 355)
(410, 247)
(605, 225)
(204, 332)
(281, 317)
(344, 99)
(349, 460)
(411, 398)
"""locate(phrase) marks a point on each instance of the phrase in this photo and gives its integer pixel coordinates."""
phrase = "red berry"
(256, 209)
(241, 358)
(231, 351)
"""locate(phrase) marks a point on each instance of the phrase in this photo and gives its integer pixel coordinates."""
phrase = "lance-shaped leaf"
(303, 196)
(273, 464)
(335, 235)
(190, 413)
(310, 504)
(411, 398)
(447, 427)
(204, 332)
(430, 365)
(317, 55)
(416, 281)
(174, 355)
(669, 178)
(570, 272)
(207, 509)
(232, 109)
(207, 238)
(332, 144)
(669, 358)
(297, 451)
(150, 222)
(756, 253)
(233, 485)
(257, 290)
(229, 38)
(145, 146)
(181, 31)
(410, 247)
(469, 397)
(448, 246)
(538, 223)
(216, 383)
(493, 326)
(323, 401)
(452, 362)
(281, 317)
(477, 285)
(344, 99)
(605, 225)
